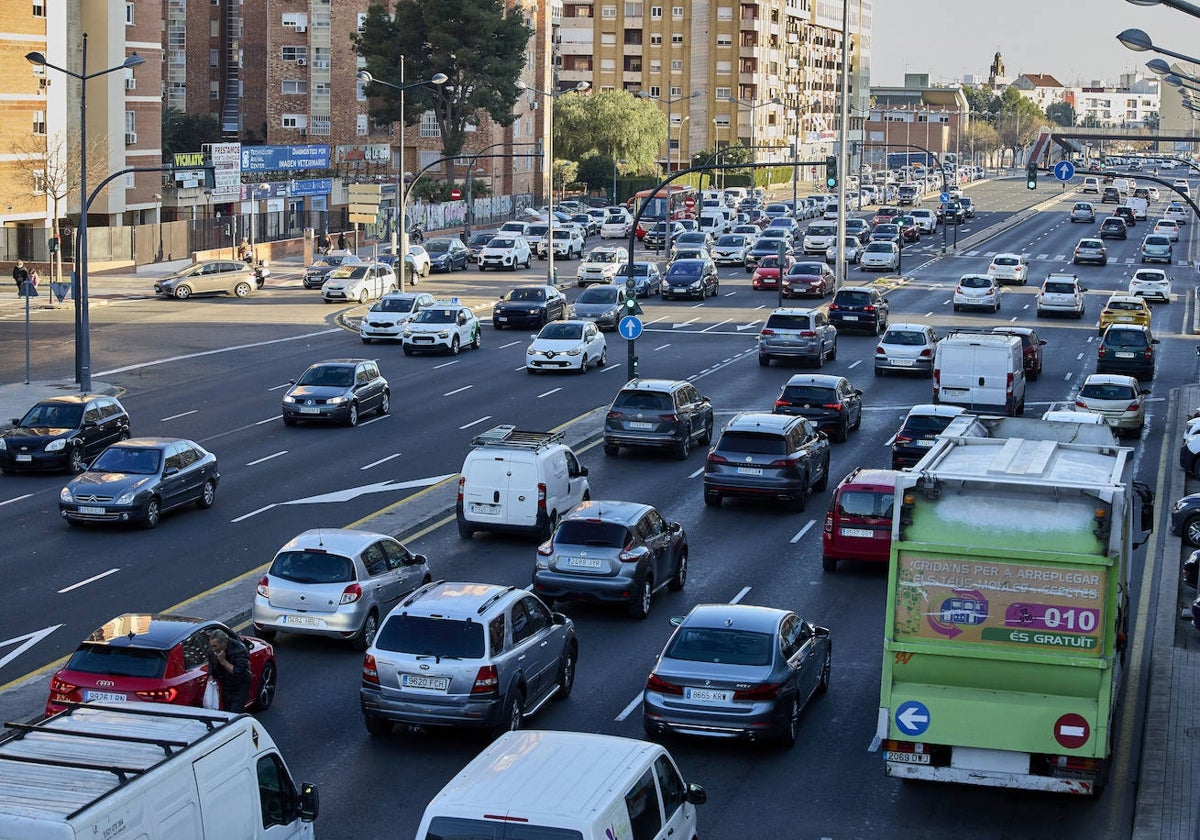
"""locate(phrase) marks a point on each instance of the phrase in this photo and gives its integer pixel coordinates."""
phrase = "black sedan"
(529, 306)
(446, 253)
(477, 243)
(737, 670)
(140, 479)
(63, 433)
(690, 279)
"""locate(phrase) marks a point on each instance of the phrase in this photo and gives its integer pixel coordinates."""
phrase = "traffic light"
(52, 244)
(1031, 176)
(831, 175)
(1103, 163)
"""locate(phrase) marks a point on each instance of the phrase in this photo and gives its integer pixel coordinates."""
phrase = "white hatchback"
(1009, 268)
(1169, 227)
(977, 291)
(567, 346)
(1151, 283)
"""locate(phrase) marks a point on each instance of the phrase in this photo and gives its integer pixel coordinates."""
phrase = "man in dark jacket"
(20, 275)
(229, 665)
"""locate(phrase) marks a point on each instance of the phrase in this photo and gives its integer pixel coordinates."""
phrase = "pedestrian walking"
(20, 275)
(342, 241)
(229, 665)
(323, 243)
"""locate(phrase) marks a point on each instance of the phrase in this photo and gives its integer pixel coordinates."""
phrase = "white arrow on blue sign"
(630, 327)
(912, 717)
(1064, 170)
(944, 198)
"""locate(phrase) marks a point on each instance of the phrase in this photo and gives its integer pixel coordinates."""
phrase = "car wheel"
(764, 361)
(208, 495)
(183, 292)
(684, 447)
(677, 582)
(352, 415)
(843, 433)
(366, 340)
(465, 530)
(408, 351)
(366, 634)
(152, 514)
(241, 290)
(362, 297)
(385, 404)
(377, 726)
(639, 608)
(75, 461)
(454, 346)
(583, 365)
(829, 564)
(551, 523)
(514, 711)
(265, 695)
(823, 682)
(824, 482)
(706, 437)
(791, 725)
(477, 339)
(602, 362)
(612, 449)
(289, 421)
(566, 674)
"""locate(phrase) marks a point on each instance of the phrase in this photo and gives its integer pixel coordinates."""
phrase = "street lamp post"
(717, 149)
(83, 343)
(158, 220)
(679, 141)
(552, 96)
(399, 245)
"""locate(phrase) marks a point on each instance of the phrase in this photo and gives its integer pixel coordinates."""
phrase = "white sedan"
(881, 256)
(567, 345)
(1170, 227)
(1151, 283)
(616, 226)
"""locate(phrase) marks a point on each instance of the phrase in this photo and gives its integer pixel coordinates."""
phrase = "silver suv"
(805, 334)
(472, 655)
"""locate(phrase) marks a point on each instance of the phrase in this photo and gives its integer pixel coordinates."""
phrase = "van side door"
(577, 481)
(679, 815)
(644, 809)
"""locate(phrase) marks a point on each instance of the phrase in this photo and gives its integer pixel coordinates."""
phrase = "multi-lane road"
(279, 481)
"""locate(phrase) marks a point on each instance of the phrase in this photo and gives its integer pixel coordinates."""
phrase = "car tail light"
(868, 308)
(904, 439)
(158, 695)
(781, 462)
(767, 691)
(669, 418)
(879, 351)
(612, 415)
(1148, 353)
(627, 555)
(1008, 384)
(370, 673)
(461, 481)
(767, 332)
(541, 497)
(58, 686)
(546, 548)
(958, 290)
(1102, 352)
(829, 523)
(927, 353)
(834, 306)
(1133, 407)
(808, 334)
(487, 681)
(714, 458)
(833, 406)
(351, 594)
(781, 403)
(263, 588)
(991, 268)
(1080, 404)
(657, 683)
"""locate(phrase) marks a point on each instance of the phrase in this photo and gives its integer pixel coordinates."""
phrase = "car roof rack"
(511, 436)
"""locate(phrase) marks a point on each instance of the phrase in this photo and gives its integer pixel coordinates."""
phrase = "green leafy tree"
(1062, 113)
(615, 124)
(187, 132)
(982, 100)
(479, 44)
(597, 172)
(1018, 121)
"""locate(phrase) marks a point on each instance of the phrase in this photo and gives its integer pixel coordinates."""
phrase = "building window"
(724, 40)
(608, 12)
(39, 122)
(128, 14)
(360, 91)
(608, 39)
(725, 67)
(722, 120)
(294, 86)
(655, 66)
(294, 121)
(721, 93)
(362, 20)
(214, 58)
(677, 40)
(677, 65)
(39, 181)
(39, 8)
(295, 20)
(656, 39)
(360, 124)
(320, 124)
(656, 12)
(724, 12)
(677, 12)
(214, 90)
(429, 125)
(674, 91)
(608, 65)
(294, 53)
(655, 91)
(633, 10)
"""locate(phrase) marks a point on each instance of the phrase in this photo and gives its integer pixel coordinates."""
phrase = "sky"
(1073, 41)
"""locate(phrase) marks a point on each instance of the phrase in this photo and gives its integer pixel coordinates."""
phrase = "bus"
(670, 202)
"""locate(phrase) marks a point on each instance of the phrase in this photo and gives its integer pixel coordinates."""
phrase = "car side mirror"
(1041, 341)
(1154, 341)
(169, 471)
(1144, 391)
(417, 560)
(696, 795)
(291, 381)
(16, 421)
(558, 619)
(583, 471)
(310, 803)
(858, 392)
(675, 620)
(675, 528)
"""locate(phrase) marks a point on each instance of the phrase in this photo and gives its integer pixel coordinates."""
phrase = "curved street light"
(1139, 41)
(1180, 5)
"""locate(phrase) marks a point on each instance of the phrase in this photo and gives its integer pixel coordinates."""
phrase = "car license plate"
(104, 697)
(903, 362)
(907, 758)
(482, 508)
(849, 317)
(749, 471)
(707, 695)
(925, 444)
(93, 511)
(303, 621)
(641, 426)
(424, 683)
(24, 459)
(501, 318)
(858, 532)
(1124, 355)
(309, 409)
(585, 562)
(1124, 318)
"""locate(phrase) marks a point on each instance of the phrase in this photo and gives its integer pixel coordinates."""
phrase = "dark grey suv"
(612, 552)
(859, 308)
(658, 412)
(338, 390)
(772, 457)
(828, 402)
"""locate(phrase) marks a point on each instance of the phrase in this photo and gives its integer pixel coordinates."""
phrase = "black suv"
(63, 433)
(612, 552)
(656, 238)
(1111, 195)
(828, 402)
(767, 456)
(859, 308)
(952, 213)
(658, 412)
(1114, 227)
(534, 305)
(1125, 212)
(691, 278)
(916, 434)
(1128, 349)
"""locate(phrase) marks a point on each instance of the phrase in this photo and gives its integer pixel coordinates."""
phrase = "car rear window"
(789, 322)
(1005, 261)
(595, 533)
(976, 282)
(753, 443)
(434, 637)
(853, 298)
(715, 645)
(1125, 305)
(906, 338)
(118, 661)
(922, 425)
(1125, 338)
(312, 567)
(810, 394)
(1060, 288)
(866, 504)
(644, 401)
(1097, 391)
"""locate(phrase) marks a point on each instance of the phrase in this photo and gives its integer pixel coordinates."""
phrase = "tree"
(1018, 121)
(981, 138)
(1062, 113)
(615, 124)
(479, 44)
(1151, 120)
(596, 171)
(187, 132)
(982, 100)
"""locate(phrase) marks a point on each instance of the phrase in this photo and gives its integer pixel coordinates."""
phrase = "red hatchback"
(154, 658)
(766, 273)
(858, 524)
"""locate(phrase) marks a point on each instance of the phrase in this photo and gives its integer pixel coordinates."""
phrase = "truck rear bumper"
(989, 778)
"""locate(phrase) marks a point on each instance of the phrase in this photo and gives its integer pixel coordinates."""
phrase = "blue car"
(447, 253)
(647, 279)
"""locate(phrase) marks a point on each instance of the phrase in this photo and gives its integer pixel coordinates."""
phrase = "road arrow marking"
(24, 643)
(378, 487)
(741, 327)
(684, 324)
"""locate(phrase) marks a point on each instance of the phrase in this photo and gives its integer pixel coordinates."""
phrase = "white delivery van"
(148, 770)
(514, 480)
(712, 222)
(982, 372)
(1140, 207)
(569, 785)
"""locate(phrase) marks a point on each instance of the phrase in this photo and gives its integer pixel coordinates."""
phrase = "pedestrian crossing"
(1049, 257)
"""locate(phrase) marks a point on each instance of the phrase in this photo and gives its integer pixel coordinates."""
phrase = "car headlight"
(64, 495)
(1178, 506)
(444, 334)
(287, 398)
(56, 445)
(574, 351)
(337, 400)
(126, 498)
(695, 284)
(3, 445)
(530, 351)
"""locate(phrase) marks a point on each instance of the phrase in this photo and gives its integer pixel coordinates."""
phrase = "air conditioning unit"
(130, 138)
(301, 62)
(302, 28)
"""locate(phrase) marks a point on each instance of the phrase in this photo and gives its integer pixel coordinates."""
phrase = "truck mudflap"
(989, 778)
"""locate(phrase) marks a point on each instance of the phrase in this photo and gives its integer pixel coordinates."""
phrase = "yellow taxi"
(1124, 309)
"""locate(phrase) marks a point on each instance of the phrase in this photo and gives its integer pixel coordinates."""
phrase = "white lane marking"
(890, 440)
(548, 393)
(661, 346)
(375, 420)
(268, 458)
(714, 326)
(475, 422)
(521, 368)
(696, 473)
(85, 582)
(929, 313)
(656, 320)
(612, 367)
(15, 499)
(24, 643)
(855, 364)
(177, 416)
(268, 420)
(628, 710)
(761, 306)
(697, 306)
(380, 461)
(802, 531)
(729, 294)
(280, 387)
(510, 344)
(186, 356)
(458, 390)
(446, 364)
(1067, 377)
(738, 597)
(246, 516)
(1079, 357)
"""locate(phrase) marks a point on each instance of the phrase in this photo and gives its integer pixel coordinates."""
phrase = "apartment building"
(767, 72)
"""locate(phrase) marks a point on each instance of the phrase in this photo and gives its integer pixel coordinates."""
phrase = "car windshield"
(1114, 223)
(312, 567)
(437, 246)
(561, 332)
(603, 257)
(54, 415)
(327, 261)
(685, 268)
(538, 230)
(127, 459)
(598, 294)
(754, 443)
(332, 376)
(731, 240)
(887, 229)
(640, 269)
(528, 295)
(806, 268)
(394, 304)
(925, 425)
(481, 239)
(643, 401)
(591, 532)
(436, 316)
(718, 645)
(867, 504)
(907, 338)
(498, 242)
(432, 637)
(1107, 391)
(349, 272)
(820, 230)
(118, 661)
(879, 247)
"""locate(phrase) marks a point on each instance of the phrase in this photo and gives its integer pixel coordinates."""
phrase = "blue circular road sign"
(912, 717)
(630, 327)
(944, 198)
(1064, 170)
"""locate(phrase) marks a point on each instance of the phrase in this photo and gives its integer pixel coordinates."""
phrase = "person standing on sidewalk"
(20, 275)
(342, 241)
